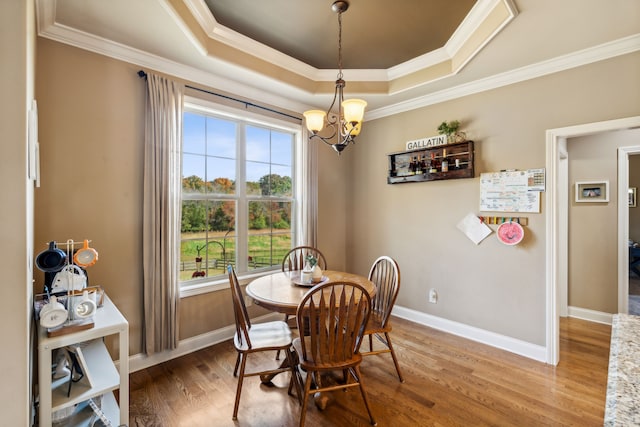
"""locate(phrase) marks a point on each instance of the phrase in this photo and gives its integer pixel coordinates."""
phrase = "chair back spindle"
(385, 274)
(336, 315)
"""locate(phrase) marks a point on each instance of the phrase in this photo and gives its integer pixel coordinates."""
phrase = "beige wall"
(490, 286)
(92, 111)
(593, 227)
(91, 137)
(17, 29)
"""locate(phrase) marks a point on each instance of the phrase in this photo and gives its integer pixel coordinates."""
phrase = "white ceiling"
(183, 38)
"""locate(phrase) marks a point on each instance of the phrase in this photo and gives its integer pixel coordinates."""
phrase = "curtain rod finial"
(142, 74)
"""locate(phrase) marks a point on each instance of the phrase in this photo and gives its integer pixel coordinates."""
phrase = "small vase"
(460, 137)
(317, 274)
(306, 276)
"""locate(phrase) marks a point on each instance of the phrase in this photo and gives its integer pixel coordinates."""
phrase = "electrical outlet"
(433, 296)
(248, 301)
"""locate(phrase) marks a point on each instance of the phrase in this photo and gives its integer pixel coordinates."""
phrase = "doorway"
(629, 289)
(557, 201)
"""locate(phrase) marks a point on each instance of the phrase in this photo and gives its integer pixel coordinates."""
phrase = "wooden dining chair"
(252, 338)
(294, 261)
(385, 274)
(335, 314)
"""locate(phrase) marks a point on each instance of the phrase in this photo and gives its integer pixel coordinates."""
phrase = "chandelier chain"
(340, 45)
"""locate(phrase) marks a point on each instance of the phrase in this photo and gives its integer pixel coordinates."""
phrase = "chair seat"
(313, 365)
(264, 336)
(374, 325)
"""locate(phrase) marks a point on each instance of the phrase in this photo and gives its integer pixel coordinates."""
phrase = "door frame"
(623, 226)
(557, 204)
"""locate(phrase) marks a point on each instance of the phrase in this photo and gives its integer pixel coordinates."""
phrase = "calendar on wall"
(512, 191)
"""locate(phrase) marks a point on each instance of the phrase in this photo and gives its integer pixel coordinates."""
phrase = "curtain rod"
(143, 74)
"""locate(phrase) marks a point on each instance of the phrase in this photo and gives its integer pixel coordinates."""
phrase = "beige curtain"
(309, 196)
(161, 213)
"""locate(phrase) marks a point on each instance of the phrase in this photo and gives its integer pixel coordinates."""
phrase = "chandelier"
(347, 123)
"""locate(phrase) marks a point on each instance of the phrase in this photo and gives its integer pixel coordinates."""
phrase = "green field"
(265, 249)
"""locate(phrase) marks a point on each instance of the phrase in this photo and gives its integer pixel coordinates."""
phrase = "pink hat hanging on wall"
(510, 233)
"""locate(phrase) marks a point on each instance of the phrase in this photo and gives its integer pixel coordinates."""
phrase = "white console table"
(106, 378)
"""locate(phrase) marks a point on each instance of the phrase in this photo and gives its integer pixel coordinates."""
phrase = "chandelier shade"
(345, 124)
(315, 120)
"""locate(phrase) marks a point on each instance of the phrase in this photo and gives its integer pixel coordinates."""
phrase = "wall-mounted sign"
(431, 141)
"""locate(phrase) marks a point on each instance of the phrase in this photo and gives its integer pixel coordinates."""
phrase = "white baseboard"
(523, 348)
(141, 361)
(591, 315)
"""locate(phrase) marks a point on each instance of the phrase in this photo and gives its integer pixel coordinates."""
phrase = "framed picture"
(632, 197)
(592, 191)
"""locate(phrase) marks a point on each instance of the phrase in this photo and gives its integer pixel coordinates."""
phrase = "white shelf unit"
(106, 378)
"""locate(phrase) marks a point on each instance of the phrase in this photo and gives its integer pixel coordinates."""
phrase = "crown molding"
(465, 32)
(579, 58)
(48, 28)
(198, 24)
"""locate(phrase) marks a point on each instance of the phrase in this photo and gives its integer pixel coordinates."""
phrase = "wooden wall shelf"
(459, 156)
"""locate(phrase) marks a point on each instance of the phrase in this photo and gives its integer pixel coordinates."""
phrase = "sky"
(209, 146)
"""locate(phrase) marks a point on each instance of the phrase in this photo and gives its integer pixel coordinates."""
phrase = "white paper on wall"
(474, 228)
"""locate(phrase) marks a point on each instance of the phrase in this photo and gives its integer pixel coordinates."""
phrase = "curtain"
(309, 196)
(161, 213)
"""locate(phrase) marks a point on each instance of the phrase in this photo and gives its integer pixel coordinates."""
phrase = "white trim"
(143, 59)
(590, 315)
(502, 342)
(47, 27)
(189, 345)
(587, 56)
(476, 16)
(141, 361)
(554, 254)
(563, 194)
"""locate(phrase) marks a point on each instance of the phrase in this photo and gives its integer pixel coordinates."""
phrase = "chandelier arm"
(333, 121)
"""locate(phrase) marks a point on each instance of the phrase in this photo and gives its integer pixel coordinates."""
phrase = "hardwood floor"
(450, 381)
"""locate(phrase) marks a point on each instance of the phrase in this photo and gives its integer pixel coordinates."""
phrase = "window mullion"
(242, 218)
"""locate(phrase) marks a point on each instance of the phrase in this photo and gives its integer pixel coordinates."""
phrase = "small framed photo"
(592, 191)
(632, 197)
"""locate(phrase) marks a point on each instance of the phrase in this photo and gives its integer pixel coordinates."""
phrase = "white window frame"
(197, 105)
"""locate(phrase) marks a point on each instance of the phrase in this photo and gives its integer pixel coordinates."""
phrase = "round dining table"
(283, 291)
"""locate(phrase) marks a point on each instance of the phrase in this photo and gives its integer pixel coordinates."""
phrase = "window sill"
(220, 284)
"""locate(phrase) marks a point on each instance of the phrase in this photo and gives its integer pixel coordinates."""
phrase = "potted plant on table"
(451, 129)
(311, 266)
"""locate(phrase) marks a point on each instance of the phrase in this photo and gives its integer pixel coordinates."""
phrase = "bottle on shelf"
(435, 166)
(412, 166)
(457, 164)
(445, 162)
(423, 164)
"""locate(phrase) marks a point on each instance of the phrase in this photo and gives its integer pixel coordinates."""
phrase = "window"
(238, 193)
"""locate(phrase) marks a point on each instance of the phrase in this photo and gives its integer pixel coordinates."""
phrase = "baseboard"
(523, 348)
(142, 361)
(591, 315)
(189, 345)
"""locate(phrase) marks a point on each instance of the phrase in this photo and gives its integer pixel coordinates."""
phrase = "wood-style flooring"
(450, 381)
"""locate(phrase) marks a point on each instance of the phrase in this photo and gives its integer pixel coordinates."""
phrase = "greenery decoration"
(311, 260)
(449, 128)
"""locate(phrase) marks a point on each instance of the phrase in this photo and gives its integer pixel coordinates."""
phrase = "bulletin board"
(512, 191)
